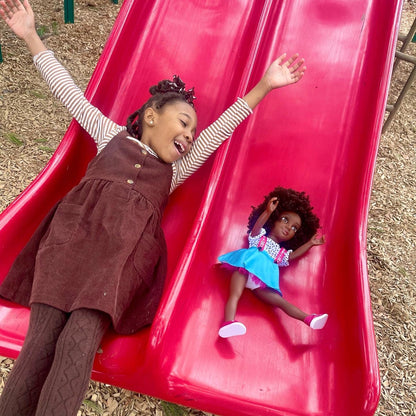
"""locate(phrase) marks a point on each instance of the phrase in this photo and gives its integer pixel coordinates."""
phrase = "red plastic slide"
(320, 135)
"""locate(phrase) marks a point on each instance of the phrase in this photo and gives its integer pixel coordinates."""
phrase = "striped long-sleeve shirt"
(102, 129)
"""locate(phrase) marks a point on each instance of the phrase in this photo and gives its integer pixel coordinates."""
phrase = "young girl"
(275, 237)
(99, 256)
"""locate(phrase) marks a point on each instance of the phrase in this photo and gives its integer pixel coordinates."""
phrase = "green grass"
(14, 139)
(47, 149)
(37, 94)
(42, 30)
(171, 409)
(93, 406)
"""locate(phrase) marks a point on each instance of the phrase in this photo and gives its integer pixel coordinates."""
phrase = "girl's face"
(170, 132)
(285, 227)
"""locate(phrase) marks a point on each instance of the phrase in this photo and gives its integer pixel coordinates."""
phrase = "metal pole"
(393, 109)
(69, 11)
(406, 39)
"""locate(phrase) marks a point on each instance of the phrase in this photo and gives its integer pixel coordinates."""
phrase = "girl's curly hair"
(289, 201)
(164, 92)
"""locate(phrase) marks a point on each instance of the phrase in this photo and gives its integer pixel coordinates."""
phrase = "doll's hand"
(272, 205)
(284, 71)
(317, 241)
(19, 17)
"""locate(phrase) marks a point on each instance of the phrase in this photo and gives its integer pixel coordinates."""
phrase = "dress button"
(138, 165)
(144, 152)
(130, 181)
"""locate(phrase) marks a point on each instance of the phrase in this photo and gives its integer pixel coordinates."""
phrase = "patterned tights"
(51, 375)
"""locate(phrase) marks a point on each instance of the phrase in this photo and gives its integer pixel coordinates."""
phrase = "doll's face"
(170, 131)
(286, 226)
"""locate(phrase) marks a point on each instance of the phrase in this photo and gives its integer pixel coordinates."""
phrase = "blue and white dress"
(260, 262)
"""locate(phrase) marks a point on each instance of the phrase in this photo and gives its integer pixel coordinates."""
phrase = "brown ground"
(32, 123)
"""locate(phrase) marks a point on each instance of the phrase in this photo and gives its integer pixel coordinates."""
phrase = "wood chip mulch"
(32, 122)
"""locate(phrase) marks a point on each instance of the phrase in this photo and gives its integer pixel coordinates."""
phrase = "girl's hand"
(280, 73)
(317, 241)
(272, 205)
(21, 20)
(19, 17)
(284, 71)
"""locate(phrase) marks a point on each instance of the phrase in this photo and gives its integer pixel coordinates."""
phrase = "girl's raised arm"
(21, 20)
(280, 73)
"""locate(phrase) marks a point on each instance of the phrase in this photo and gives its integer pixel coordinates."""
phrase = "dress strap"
(262, 243)
(280, 256)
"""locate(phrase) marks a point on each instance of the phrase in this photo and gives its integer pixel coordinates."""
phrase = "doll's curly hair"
(292, 201)
(164, 92)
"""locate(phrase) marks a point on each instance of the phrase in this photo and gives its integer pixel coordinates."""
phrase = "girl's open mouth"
(179, 146)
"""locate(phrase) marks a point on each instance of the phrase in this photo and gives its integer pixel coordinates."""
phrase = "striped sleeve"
(63, 87)
(209, 140)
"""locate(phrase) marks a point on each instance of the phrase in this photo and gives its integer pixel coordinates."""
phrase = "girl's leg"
(273, 298)
(24, 384)
(67, 382)
(237, 285)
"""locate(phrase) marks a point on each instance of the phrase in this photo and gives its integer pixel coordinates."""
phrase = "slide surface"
(320, 135)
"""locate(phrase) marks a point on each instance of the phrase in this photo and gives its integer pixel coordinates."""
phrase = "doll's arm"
(280, 73)
(264, 216)
(314, 241)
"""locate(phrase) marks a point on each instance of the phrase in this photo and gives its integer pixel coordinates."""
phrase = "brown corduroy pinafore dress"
(102, 246)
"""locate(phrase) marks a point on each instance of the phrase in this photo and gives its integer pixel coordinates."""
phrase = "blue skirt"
(254, 261)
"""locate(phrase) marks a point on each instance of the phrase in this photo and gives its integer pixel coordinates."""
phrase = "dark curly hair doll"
(164, 92)
(280, 230)
(293, 201)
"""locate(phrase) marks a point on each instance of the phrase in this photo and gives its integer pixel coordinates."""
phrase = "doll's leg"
(273, 298)
(230, 327)
(67, 382)
(237, 285)
(21, 392)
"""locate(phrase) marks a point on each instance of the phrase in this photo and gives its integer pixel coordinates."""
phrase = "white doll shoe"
(318, 321)
(232, 329)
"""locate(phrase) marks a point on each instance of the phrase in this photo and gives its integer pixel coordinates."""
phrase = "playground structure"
(320, 135)
(69, 10)
(401, 55)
